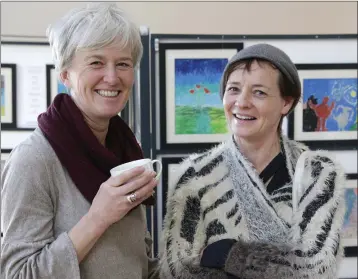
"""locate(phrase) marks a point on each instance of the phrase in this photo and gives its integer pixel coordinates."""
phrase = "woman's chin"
(108, 114)
(110, 111)
(244, 133)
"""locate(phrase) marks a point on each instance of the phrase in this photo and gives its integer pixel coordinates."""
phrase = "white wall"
(32, 18)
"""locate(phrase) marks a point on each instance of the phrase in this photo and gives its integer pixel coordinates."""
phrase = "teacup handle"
(159, 172)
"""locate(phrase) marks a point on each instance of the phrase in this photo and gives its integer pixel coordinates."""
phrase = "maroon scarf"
(87, 161)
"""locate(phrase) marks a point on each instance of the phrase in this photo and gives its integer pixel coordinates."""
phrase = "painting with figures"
(329, 104)
(326, 116)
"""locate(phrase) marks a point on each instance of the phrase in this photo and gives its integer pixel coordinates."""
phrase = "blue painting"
(61, 88)
(329, 104)
(198, 107)
(350, 218)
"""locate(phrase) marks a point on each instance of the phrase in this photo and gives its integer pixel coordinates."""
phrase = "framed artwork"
(191, 111)
(4, 155)
(170, 165)
(327, 117)
(53, 85)
(349, 231)
(8, 96)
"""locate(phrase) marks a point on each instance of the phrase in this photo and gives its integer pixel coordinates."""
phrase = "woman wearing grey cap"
(258, 205)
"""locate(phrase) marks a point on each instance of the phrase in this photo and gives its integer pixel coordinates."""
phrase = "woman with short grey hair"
(63, 215)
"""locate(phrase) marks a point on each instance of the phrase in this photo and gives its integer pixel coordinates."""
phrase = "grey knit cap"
(266, 52)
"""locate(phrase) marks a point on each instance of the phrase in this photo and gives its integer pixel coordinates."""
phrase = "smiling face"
(252, 101)
(100, 80)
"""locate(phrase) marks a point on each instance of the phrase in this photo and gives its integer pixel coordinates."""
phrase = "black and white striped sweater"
(292, 233)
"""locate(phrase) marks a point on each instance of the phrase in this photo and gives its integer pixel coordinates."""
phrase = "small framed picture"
(53, 85)
(170, 165)
(191, 111)
(349, 231)
(8, 96)
(4, 155)
(326, 118)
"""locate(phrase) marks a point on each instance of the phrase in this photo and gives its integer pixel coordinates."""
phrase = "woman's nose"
(111, 76)
(243, 99)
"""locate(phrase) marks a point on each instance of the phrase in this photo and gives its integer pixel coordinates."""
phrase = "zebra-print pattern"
(204, 206)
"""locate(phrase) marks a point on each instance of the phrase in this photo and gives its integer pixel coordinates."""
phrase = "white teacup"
(146, 163)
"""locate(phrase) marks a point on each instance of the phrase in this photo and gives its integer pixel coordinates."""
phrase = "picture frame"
(8, 96)
(326, 116)
(349, 231)
(53, 85)
(191, 112)
(4, 156)
(169, 167)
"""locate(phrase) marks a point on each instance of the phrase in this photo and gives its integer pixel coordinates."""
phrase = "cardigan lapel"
(263, 221)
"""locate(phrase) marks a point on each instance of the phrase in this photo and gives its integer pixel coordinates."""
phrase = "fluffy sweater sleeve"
(174, 262)
(318, 211)
(30, 250)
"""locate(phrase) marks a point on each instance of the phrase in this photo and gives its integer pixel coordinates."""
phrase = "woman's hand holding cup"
(120, 193)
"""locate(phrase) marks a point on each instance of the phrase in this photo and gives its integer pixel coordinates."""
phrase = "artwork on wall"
(4, 155)
(190, 106)
(8, 96)
(349, 231)
(170, 165)
(327, 116)
(53, 85)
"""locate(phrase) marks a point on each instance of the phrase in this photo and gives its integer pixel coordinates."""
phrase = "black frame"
(166, 161)
(324, 144)
(6, 151)
(16, 128)
(13, 124)
(256, 36)
(49, 68)
(145, 97)
(183, 147)
(164, 184)
(351, 251)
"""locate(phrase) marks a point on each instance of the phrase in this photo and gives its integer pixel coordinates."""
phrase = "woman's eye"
(232, 89)
(96, 63)
(260, 93)
(124, 65)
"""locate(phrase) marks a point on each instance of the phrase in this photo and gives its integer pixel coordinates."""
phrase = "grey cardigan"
(40, 204)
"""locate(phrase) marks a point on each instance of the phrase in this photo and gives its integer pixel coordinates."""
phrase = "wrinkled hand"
(110, 203)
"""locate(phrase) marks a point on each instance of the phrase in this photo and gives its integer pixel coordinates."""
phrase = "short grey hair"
(92, 27)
